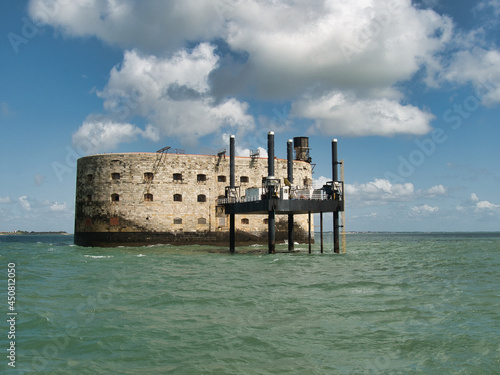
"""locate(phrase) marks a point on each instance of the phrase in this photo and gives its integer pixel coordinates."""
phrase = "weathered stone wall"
(115, 195)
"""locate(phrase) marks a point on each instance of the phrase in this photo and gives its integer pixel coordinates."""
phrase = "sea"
(394, 303)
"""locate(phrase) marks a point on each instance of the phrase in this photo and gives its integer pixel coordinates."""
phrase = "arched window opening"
(202, 198)
(115, 197)
(148, 176)
(177, 198)
(148, 197)
(115, 176)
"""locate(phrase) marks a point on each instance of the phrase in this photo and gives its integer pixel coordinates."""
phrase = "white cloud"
(105, 135)
(478, 66)
(23, 202)
(150, 25)
(381, 191)
(59, 207)
(5, 200)
(478, 206)
(485, 205)
(345, 114)
(435, 191)
(337, 62)
(423, 210)
(173, 94)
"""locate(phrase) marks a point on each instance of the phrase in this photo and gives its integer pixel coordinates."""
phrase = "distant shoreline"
(23, 233)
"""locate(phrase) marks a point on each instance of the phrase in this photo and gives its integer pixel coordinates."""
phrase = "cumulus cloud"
(154, 26)
(173, 94)
(337, 63)
(339, 113)
(58, 207)
(423, 210)
(478, 66)
(5, 200)
(24, 204)
(105, 135)
(382, 191)
(478, 206)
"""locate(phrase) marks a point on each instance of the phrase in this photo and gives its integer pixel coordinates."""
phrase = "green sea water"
(394, 304)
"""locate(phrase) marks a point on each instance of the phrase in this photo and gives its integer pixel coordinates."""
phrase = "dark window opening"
(221, 178)
(201, 177)
(148, 176)
(177, 176)
(245, 221)
(202, 198)
(115, 176)
(244, 179)
(115, 197)
(148, 197)
(90, 178)
(177, 220)
(177, 198)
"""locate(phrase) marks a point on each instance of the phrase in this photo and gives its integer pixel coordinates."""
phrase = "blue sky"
(410, 89)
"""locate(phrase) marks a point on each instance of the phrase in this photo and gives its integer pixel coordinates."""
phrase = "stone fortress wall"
(147, 198)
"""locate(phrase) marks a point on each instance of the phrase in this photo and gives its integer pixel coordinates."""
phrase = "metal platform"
(290, 200)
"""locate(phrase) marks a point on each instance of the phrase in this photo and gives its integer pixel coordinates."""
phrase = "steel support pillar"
(289, 149)
(335, 178)
(232, 234)
(270, 193)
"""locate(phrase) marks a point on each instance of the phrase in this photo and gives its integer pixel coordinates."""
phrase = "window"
(148, 176)
(221, 178)
(245, 221)
(244, 179)
(177, 176)
(115, 197)
(115, 176)
(202, 220)
(201, 178)
(148, 197)
(114, 221)
(265, 221)
(177, 220)
(89, 198)
(202, 198)
(177, 198)
(90, 178)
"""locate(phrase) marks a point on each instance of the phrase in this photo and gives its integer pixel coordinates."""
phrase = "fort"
(170, 197)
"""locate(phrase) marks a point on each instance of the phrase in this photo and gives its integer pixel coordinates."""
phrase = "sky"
(411, 90)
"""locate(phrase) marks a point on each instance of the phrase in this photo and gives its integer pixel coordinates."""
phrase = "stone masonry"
(146, 198)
